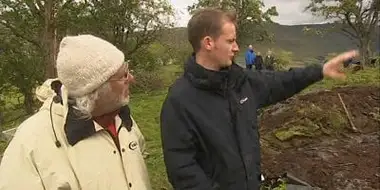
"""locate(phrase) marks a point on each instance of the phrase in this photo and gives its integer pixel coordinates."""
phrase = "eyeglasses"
(126, 74)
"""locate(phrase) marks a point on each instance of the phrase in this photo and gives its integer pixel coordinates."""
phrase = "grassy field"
(146, 111)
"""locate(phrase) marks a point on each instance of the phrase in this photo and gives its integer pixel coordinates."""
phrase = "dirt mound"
(311, 137)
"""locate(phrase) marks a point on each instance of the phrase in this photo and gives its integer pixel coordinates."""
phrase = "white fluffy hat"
(85, 62)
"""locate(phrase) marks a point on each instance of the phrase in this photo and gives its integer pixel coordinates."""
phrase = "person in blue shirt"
(250, 57)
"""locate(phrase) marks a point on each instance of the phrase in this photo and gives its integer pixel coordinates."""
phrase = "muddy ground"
(311, 137)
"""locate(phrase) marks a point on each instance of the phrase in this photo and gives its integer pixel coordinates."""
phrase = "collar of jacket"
(77, 129)
(218, 81)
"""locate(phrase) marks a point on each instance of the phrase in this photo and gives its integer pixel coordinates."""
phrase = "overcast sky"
(290, 11)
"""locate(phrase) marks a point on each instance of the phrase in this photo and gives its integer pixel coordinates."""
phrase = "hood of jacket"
(44, 91)
(45, 94)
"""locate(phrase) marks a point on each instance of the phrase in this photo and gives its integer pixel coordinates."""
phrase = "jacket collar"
(217, 81)
(77, 129)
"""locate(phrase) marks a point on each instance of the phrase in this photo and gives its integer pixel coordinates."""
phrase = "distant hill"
(305, 46)
(290, 38)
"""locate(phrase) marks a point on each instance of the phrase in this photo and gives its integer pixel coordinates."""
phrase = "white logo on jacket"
(243, 100)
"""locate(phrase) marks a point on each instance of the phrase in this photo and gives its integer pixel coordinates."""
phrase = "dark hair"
(207, 22)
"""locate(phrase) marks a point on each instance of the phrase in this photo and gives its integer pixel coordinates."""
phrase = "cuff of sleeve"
(316, 72)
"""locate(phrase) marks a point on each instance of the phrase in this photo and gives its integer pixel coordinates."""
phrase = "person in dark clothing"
(259, 62)
(209, 127)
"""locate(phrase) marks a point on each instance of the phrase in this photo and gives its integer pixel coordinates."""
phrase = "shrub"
(283, 60)
(147, 81)
(148, 64)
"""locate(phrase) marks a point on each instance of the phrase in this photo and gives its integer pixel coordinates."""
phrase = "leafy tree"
(358, 19)
(251, 18)
(128, 24)
(20, 67)
(30, 32)
(176, 45)
(36, 23)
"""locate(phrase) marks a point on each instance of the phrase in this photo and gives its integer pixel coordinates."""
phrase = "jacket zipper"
(233, 121)
(225, 90)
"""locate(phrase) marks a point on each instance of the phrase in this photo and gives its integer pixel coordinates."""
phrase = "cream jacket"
(88, 158)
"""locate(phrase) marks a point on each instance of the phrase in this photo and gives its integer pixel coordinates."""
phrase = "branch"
(374, 20)
(139, 42)
(65, 5)
(39, 4)
(242, 13)
(146, 37)
(20, 35)
(35, 11)
(126, 36)
(363, 14)
(348, 114)
(349, 22)
(360, 7)
(350, 34)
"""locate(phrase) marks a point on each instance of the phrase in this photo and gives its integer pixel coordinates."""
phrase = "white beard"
(110, 104)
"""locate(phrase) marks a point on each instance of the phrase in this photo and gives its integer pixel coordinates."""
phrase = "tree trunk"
(28, 102)
(1, 126)
(49, 40)
(365, 51)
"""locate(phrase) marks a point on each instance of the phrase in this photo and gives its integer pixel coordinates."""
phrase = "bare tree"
(359, 19)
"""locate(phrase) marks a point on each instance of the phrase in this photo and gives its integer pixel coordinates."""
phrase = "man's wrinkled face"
(118, 93)
(120, 82)
(225, 46)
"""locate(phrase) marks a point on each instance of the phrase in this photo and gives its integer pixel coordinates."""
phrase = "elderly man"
(209, 119)
(83, 137)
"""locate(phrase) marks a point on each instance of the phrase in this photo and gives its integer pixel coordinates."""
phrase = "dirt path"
(311, 137)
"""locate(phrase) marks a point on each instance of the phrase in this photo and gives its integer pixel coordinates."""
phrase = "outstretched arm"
(276, 86)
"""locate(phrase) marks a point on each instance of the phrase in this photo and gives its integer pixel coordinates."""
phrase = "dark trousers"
(249, 67)
(258, 67)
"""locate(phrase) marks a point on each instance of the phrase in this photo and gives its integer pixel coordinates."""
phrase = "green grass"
(146, 111)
